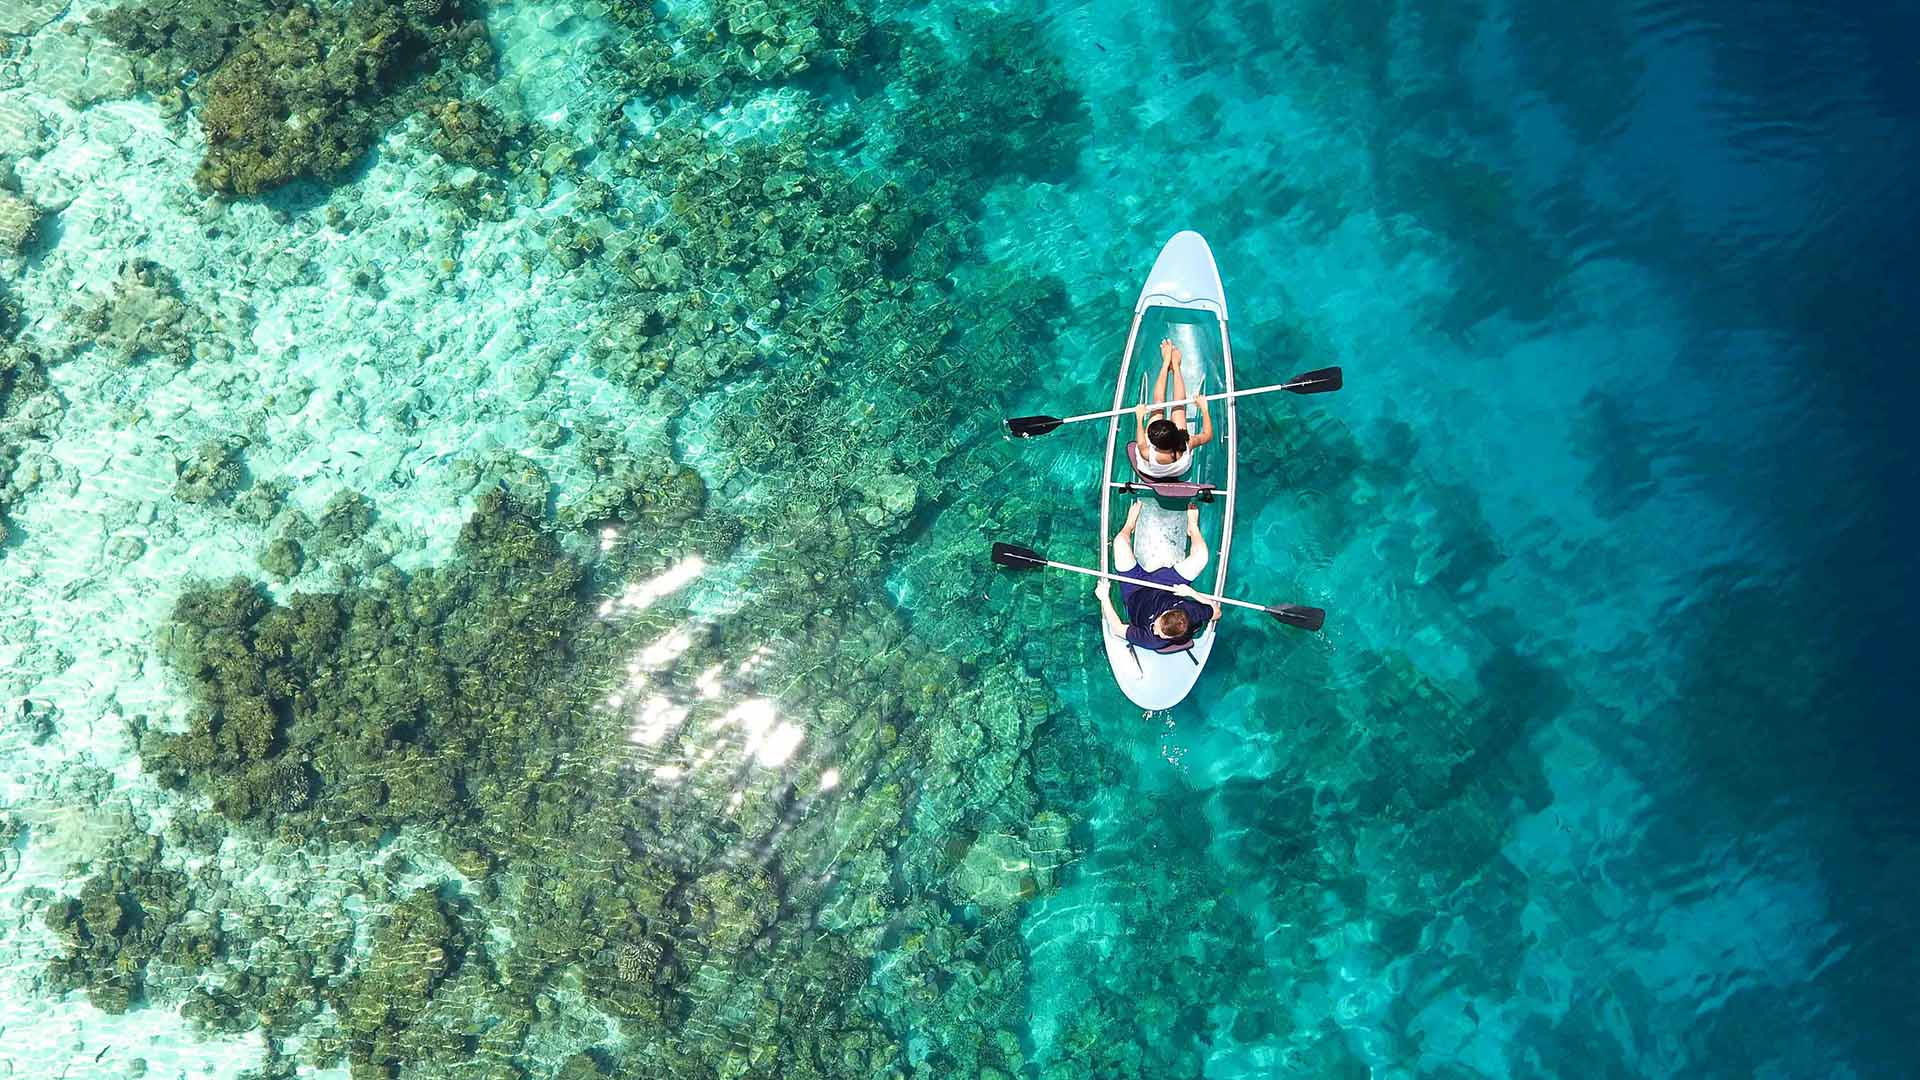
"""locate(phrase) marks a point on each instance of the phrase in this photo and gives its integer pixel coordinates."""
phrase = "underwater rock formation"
(19, 223)
(213, 474)
(998, 872)
(146, 317)
(29, 407)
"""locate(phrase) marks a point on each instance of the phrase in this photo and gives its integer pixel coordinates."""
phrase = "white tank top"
(1154, 470)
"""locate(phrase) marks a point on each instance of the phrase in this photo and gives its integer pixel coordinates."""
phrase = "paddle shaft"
(1184, 401)
(1149, 584)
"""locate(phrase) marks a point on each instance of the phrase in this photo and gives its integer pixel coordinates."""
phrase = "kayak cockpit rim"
(1198, 303)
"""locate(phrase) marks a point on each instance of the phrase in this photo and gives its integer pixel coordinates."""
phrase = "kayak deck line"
(1205, 494)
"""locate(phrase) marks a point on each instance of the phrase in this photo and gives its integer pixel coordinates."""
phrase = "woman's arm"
(1206, 428)
(1179, 413)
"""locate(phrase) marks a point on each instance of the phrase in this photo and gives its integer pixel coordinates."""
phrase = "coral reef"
(786, 830)
(176, 42)
(29, 407)
(124, 917)
(471, 132)
(282, 558)
(260, 501)
(9, 460)
(736, 44)
(291, 100)
(713, 749)
(417, 948)
(1017, 116)
(344, 521)
(433, 701)
(725, 267)
(650, 490)
(476, 196)
(288, 730)
(292, 89)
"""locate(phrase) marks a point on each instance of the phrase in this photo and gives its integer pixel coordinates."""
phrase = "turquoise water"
(496, 500)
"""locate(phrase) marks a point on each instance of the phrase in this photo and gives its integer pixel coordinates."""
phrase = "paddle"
(1015, 557)
(1325, 380)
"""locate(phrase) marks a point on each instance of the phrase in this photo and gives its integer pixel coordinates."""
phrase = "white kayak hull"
(1183, 300)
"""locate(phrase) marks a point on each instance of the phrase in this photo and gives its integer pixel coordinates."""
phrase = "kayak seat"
(1177, 647)
(1166, 489)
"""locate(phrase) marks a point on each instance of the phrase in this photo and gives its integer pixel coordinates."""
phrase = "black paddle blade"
(1324, 381)
(1028, 426)
(1017, 558)
(1310, 619)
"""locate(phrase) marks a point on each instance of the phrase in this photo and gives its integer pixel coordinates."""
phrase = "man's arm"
(1109, 618)
(1188, 592)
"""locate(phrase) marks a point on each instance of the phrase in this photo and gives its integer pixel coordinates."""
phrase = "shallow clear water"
(655, 710)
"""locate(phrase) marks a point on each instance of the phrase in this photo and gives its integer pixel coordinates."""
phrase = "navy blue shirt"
(1145, 605)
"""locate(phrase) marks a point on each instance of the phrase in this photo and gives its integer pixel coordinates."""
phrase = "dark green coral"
(291, 89)
(417, 947)
(344, 521)
(124, 917)
(282, 558)
(354, 712)
(293, 99)
(175, 42)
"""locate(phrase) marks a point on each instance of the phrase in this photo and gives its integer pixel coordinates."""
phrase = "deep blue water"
(1622, 470)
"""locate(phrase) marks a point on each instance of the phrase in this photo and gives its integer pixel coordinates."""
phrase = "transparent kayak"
(1183, 301)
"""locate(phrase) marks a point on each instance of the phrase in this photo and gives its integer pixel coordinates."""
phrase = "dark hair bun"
(1167, 435)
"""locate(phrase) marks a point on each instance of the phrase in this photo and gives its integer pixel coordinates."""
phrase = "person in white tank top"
(1163, 448)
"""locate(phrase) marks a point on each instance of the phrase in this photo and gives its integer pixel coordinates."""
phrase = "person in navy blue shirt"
(1165, 619)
